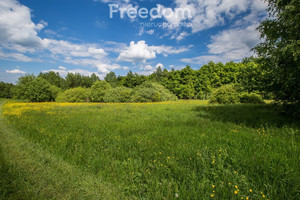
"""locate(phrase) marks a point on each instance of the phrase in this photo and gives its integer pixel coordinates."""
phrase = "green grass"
(149, 151)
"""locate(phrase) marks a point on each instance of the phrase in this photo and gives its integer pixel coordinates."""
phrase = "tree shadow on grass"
(253, 116)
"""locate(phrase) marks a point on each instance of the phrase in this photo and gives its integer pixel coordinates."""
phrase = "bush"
(74, 95)
(152, 92)
(251, 98)
(226, 94)
(98, 91)
(203, 95)
(118, 94)
(55, 91)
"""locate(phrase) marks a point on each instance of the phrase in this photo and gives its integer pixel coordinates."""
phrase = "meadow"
(169, 150)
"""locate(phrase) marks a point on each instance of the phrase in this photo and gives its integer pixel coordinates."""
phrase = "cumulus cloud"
(141, 52)
(229, 45)
(17, 31)
(137, 52)
(15, 71)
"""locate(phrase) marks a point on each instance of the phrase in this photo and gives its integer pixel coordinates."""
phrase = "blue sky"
(79, 35)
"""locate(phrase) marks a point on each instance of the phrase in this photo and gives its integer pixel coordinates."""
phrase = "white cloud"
(62, 68)
(182, 35)
(75, 50)
(159, 65)
(229, 45)
(148, 68)
(210, 13)
(141, 52)
(15, 71)
(137, 52)
(15, 57)
(17, 31)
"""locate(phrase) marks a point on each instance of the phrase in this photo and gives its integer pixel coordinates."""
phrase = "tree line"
(186, 83)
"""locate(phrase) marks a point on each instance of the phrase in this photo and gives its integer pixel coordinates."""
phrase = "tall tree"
(111, 78)
(53, 78)
(279, 54)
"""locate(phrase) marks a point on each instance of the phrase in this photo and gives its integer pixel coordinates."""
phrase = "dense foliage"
(34, 89)
(251, 98)
(227, 94)
(6, 90)
(152, 92)
(74, 95)
(279, 54)
(98, 91)
(118, 94)
(186, 83)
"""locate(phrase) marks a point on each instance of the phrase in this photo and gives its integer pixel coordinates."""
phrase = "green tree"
(39, 90)
(55, 91)
(6, 90)
(279, 54)
(98, 91)
(53, 78)
(32, 88)
(132, 80)
(94, 78)
(22, 87)
(111, 78)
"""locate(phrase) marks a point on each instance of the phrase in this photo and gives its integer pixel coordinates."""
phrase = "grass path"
(28, 171)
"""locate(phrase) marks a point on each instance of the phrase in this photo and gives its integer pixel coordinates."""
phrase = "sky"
(100, 36)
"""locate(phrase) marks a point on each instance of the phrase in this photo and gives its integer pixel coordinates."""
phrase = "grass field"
(175, 150)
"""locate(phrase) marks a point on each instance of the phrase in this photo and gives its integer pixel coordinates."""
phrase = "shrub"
(152, 92)
(74, 95)
(118, 94)
(251, 98)
(226, 94)
(203, 95)
(54, 90)
(98, 91)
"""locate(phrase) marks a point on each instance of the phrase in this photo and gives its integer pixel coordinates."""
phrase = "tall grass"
(178, 150)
